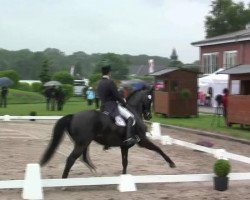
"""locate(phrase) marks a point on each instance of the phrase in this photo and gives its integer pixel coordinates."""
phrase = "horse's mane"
(135, 91)
(132, 94)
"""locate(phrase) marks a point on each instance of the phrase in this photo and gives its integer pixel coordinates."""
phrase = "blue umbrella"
(6, 82)
(135, 84)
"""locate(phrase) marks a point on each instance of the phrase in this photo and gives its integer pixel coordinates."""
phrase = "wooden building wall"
(239, 105)
(169, 100)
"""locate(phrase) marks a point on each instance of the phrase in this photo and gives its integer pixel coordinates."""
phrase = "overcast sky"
(152, 27)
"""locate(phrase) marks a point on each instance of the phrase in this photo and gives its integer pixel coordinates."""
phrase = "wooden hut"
(175, 92)
(239, 95)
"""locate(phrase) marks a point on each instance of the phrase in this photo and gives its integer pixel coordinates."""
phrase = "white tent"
(216, 81)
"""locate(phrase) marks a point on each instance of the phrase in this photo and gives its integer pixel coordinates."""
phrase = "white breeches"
(125, 113)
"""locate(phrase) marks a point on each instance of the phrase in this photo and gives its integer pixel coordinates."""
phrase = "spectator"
(4, 93)
(53, 98)
(90, 96)
(97, 99)
(60, 97)
(47, 96)
(209, 96)
(225, 103)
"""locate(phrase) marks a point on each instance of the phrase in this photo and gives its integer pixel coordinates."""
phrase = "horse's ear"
(151, 89)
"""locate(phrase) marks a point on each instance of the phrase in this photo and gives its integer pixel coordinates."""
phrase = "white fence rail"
(9, 117)
(155, 134)
(33, 185)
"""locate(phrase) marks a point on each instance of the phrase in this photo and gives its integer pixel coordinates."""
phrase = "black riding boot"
(130, 140)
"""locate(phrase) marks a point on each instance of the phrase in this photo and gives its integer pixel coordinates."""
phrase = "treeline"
(28, 64)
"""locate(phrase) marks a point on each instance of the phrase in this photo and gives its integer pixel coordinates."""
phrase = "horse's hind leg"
(87, 161)
(151, 146)
(124, 151)
(76, 153)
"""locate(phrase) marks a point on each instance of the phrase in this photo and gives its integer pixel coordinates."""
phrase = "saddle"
(118, 119)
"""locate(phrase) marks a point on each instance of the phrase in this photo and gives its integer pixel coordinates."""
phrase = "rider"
(113, 104)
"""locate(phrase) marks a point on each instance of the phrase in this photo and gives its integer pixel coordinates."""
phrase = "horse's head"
(147, 104)
(141, 102)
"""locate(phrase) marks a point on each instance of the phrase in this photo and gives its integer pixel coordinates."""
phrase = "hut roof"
(169, 70)
(240, 69)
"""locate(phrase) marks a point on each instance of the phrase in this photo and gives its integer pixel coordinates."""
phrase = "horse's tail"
(59, 129)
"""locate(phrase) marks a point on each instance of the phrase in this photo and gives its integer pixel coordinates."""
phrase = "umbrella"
(135, 84)
(52, 83)
(5, 81)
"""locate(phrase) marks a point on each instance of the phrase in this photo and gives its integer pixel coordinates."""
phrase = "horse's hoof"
(172, 165)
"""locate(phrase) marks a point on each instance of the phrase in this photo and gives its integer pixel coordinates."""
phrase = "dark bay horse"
(86, 126)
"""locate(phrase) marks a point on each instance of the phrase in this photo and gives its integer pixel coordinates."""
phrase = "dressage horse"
(86, 126)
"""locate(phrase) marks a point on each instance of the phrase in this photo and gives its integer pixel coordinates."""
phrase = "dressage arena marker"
(33, 184)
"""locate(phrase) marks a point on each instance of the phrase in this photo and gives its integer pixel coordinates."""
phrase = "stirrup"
(138, 139)
(132, 140)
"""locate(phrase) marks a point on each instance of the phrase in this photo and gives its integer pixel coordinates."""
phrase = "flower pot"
(221, 183)
(33, 113)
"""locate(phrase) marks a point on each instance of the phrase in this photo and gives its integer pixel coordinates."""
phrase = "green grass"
(204, 122)
(18, 96)
(22, 103)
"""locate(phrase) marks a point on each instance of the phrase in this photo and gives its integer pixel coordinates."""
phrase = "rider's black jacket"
(109, 96)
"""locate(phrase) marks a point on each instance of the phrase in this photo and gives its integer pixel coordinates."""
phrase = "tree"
(174, 62)
(225, 17)
(12, 74)
(118, 65)
(44, 75)
(63, 77)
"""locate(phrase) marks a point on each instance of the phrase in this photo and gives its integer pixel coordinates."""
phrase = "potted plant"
(33, 113)
(221, 169)
(185, 95)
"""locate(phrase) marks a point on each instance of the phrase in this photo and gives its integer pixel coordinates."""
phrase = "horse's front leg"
(124, 151)
(151, 146)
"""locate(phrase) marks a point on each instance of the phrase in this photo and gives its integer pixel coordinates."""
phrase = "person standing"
(4, 93)
(53, 97)
(225, 103)
(90, 96)
(97, 101)
(60, 96)
(47, 96)
(114, 105)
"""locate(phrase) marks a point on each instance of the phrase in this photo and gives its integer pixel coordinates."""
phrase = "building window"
(230, 59)
(210, 62)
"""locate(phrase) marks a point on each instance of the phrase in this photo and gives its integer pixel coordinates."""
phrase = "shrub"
(68, 90)
(185, 94)
(222, 167)
(37, 87)
(24, 87)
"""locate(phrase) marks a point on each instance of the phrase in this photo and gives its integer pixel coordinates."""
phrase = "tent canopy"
(216, 81)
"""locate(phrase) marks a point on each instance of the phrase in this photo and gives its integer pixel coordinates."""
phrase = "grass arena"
(23, 142)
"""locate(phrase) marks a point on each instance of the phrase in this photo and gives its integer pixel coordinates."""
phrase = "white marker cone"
(156, 131)
(127, 183)
(32, 188)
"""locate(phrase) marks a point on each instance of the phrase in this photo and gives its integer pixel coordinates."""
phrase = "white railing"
(33, 185)
(155, 134)
(9, 117)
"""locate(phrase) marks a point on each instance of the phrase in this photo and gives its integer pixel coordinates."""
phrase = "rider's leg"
(130, 122)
